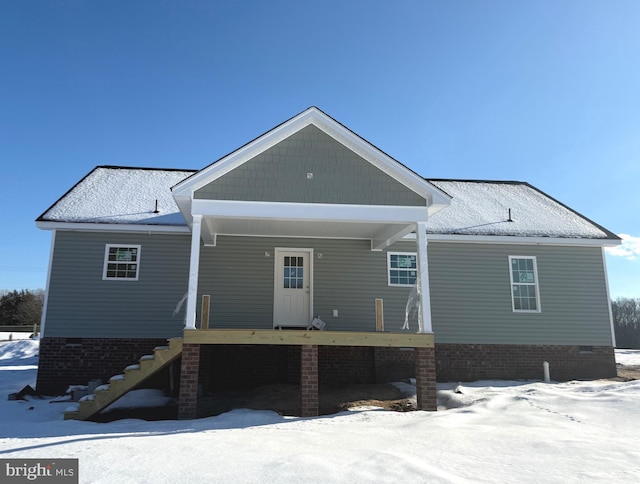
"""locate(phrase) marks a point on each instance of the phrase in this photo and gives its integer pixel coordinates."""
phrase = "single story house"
(404, 276)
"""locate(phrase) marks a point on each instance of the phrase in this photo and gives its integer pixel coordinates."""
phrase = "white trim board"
(606, 285)
(309, 211)
(106, 262)
(535, 284)
(95, 227)
(513, 239)
(45, 304)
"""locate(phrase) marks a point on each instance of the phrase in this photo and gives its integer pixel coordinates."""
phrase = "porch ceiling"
(378, 233)
(383, 225)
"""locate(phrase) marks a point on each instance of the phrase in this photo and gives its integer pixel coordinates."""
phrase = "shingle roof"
(481, 207)
(125, 195)
(120, 195)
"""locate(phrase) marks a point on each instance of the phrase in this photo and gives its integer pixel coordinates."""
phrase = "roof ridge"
(501, 182)
(121, 167)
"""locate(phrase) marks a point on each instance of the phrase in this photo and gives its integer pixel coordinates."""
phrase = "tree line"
(21, 308)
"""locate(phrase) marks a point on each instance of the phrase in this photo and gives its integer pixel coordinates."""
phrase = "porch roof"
(382, 225)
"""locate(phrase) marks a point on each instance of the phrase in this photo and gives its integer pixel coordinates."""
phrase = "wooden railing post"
(379, 315)
(204, 324)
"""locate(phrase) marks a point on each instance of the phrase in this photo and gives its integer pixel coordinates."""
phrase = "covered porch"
(309, 178)
(306, 213)
(201, 335)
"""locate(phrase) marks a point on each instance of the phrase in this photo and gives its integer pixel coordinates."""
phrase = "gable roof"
(481, 207)
(183, 191)
(120, 195)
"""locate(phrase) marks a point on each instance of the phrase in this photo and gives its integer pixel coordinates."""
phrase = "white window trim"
(106, 261)
(536, 284)
(389, 254)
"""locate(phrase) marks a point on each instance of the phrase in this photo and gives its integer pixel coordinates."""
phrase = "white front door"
(292, 291)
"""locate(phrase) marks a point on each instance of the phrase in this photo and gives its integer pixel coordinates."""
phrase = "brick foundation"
(467, 362)
(340, 365)
(309, 401)
(225, 367)
(189, 370)
(71, 361)
(65, 361)
(394, 364)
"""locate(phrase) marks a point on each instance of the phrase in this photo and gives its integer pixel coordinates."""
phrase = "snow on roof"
(122, 195)
(111, 194)
(482, 208)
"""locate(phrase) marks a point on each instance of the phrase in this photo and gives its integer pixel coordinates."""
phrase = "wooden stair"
(118, 385)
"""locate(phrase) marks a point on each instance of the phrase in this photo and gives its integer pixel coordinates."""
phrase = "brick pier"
(309, 381)
(188, 400)
(426, 379)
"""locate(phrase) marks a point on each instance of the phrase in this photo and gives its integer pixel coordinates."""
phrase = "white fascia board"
(508, 239)
(93, 227)
(309, 211)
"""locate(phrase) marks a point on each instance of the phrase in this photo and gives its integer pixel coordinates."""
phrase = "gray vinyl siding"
(81, 304)
(339, 176)
(470, 289)
(239, 277)
(471, 295)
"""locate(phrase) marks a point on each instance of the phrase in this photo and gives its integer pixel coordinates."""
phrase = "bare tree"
(626, 322)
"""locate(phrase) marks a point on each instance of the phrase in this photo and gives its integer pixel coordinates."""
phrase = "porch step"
(118, 385)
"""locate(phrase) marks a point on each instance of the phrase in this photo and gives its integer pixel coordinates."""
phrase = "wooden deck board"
(291, 337)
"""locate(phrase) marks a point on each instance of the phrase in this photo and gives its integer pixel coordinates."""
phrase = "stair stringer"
(118, 385)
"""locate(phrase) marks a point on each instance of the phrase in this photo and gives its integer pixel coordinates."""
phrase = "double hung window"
(402, 268)
(121, 262)
(524, 284)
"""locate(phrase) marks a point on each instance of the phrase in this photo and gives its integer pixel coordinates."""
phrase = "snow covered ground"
(628, 357)
(489, 431)
(9, 335)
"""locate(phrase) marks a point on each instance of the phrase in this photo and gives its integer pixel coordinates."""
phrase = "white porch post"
(194, 266)
(424, 316)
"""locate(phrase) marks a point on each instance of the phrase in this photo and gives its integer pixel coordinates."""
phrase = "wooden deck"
(293, 337)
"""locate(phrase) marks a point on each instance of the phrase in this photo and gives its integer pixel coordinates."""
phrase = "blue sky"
(540, 91)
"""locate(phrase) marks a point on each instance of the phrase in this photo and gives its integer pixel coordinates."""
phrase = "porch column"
(424, 315)
(309, 381)
(194, 266)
